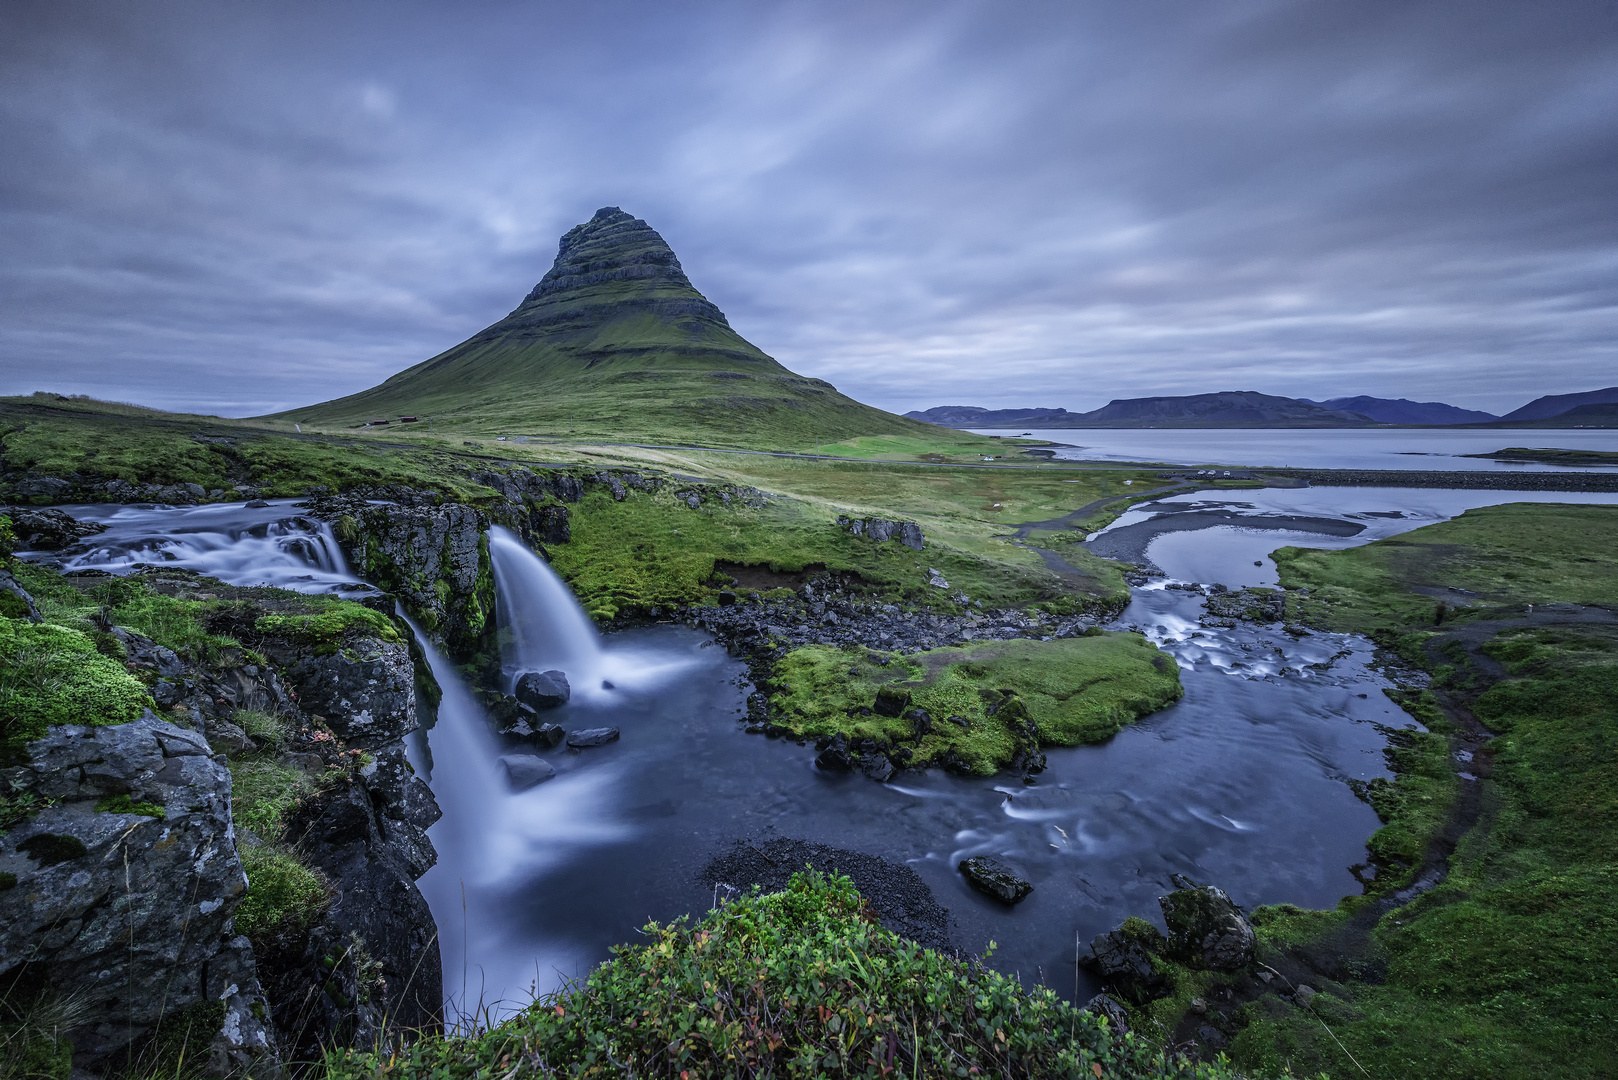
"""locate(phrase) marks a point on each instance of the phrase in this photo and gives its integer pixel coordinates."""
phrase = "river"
(1240, 784)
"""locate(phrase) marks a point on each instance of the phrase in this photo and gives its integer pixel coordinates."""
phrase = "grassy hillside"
(615, 342)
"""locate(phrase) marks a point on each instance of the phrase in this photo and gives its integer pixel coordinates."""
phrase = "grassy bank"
(801, 983)
(1076, 691)
(1509, 967)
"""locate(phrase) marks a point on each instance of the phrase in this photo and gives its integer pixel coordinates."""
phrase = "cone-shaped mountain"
(614, 341)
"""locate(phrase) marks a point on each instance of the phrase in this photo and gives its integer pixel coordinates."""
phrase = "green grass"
(283, 895)
(652, 550)
(1077, 690)
(801, 983)
(1509, 968)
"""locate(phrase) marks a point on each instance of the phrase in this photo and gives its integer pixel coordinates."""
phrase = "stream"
(1240, 784)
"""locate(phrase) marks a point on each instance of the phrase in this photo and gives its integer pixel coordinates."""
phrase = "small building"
(407, 419)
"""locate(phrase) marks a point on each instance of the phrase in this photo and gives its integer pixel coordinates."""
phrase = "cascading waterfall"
(236, 544)
(542, 624)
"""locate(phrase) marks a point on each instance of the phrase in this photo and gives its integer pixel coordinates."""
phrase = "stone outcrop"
(994, 878)
(1206, 929)
(1123, 959)
(124, 889)
(882, 530)
(44, 529)
(435, 559)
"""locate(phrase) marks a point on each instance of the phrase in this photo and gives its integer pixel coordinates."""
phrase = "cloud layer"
(241, 208)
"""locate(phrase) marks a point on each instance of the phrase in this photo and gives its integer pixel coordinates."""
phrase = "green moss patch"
(123, 804)
(330, 622)
(263, 791)
(801, 983)
(1076, 690)
(283, 895)
(52, 675)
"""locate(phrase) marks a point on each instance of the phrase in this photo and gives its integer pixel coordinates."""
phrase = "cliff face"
(122, 880)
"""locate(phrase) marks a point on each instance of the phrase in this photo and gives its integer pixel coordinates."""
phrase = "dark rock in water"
(878, 768)
(606, 684)
(588, 737)
(891, 701)
(523, 771)
(1110, 1007)
(994, 878)
(834, 759)
(543, 689)
(1206, 929)
(41, 529)
(1122, 958)
(257, 504)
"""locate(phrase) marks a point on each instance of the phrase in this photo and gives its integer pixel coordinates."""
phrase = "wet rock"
(1206, 929)
(994, 878)
(1122, 958)
(891, 701)
(524, 771)
(588, 737)
(878, 768)
(546, 735)
(543, 689)
(47, 487)
(834, 755)
(44, 529)
(1110, 1007)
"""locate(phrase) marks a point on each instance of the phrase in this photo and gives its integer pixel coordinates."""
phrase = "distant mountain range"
(1246, 409)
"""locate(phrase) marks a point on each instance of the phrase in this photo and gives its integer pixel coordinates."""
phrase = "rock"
(1304, 994)
(1206, 929)
(834, 756)
(878, 768)
(881, 530)
(42, 529)
(369, 967)
(47, 487)
(227, 738)
(935, 579)
(588, 737)
(726, 598)
(15, 602)
(891, 701)
(313, 764)
(921, 724)
(543, 689)
(1123, 959)
(546, 735)
(256, 504)
(524, 771)
(994, 878)
(1105, 1005)
(1212, 1037)
(103, 891)
(367, 691)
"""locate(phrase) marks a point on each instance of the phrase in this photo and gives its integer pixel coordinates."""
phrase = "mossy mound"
(1075, 691)
(53, 675)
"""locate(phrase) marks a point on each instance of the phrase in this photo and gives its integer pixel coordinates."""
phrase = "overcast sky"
(243, 207)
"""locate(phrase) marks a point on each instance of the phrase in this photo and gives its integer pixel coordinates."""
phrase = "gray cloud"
(241, 208)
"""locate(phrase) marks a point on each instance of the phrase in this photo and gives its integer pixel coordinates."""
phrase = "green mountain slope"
(616, 342)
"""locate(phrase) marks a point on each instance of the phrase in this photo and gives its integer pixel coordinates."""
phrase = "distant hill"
(1580, 416)
(1553, 405)
(1405, 411)
(970, 416)
(614, 342)
(1231, 408)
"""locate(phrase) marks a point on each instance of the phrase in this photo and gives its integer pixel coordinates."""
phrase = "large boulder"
(366, 692)
(994, 878)
(891, 701)
(1206, 929)
(543, 689)
(121, 892)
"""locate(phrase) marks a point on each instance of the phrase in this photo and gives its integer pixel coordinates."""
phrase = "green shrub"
(801, 983)
(268, 728)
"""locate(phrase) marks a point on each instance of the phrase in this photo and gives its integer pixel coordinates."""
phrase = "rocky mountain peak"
(611, 247)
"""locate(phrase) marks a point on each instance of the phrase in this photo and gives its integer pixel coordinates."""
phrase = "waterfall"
(542, 625)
